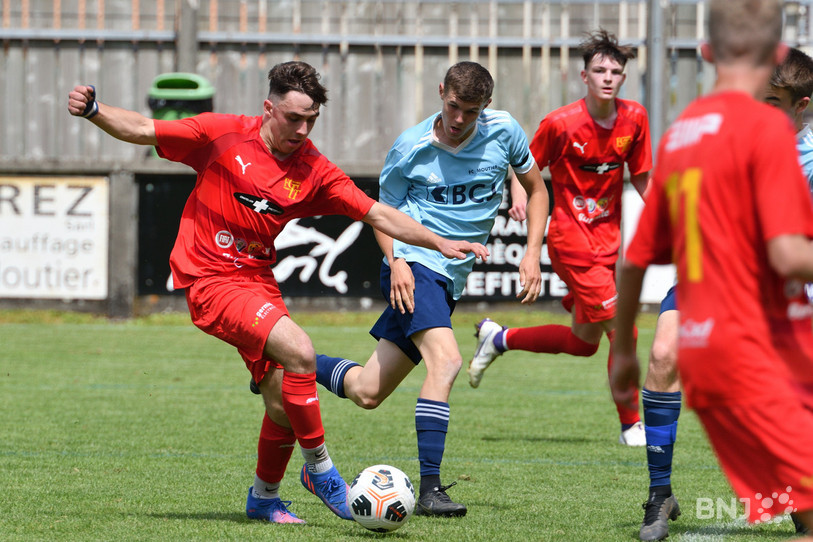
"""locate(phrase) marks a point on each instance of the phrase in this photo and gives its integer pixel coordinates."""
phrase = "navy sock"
(431, 424)
(499, 341)
(330, 372)
(661, 412)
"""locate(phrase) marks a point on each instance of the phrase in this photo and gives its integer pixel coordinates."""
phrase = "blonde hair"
(744, 30)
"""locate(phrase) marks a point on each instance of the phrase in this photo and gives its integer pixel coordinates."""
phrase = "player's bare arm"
(398, 225)
(530, 275)
(519, 199)
(625, 372)
(791, 256)
(402, 281)
(129, 126)
(640, 182)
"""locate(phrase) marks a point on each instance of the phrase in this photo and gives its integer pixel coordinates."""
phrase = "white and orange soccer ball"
(381, 498)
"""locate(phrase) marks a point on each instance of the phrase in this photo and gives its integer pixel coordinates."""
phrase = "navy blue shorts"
(433, 308)
(669, 302)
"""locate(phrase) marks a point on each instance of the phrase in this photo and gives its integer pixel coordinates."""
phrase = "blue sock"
(661, 412)
(499, 341)
(431, 424)
(330, 372)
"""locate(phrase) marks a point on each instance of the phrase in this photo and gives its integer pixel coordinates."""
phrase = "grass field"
(146, 430)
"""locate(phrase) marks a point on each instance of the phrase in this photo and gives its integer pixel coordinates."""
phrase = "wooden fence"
(381, 60)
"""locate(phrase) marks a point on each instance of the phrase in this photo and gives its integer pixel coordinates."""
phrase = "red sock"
(550, 339)
(626, 415)
(301, 404)
(274, 450)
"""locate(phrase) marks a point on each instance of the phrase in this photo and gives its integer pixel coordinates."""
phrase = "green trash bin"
(179, 95)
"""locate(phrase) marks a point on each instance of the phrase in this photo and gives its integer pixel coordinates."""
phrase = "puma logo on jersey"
(242, 165)
(580, 147)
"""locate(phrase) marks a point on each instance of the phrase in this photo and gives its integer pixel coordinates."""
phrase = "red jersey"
(727, 180)
(244, 196)
(587, 172)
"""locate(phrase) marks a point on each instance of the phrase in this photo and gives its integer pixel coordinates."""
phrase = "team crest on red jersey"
(293, 187)
(622, 143)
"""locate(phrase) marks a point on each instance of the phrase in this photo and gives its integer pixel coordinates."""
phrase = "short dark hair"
(602, 43)
(296, 76)
(795, 75)
(469, 81)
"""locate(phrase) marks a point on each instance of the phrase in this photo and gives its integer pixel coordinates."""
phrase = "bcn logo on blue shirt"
(458, 194)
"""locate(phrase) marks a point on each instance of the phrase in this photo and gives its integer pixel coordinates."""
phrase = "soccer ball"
(381, 498)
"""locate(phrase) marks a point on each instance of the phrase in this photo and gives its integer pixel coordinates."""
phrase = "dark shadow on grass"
(676, 529)
(361, 532)
(236, 517)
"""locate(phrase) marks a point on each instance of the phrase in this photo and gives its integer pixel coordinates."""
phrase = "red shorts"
(766, 451)
(593, 289)
(240, 309)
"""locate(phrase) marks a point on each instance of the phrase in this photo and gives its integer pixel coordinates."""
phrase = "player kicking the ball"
(255, 174)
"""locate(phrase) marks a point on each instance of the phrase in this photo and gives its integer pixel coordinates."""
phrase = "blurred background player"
(789, 89)
(254, 175)
(585, 144)
(745, 347)
(447, 172)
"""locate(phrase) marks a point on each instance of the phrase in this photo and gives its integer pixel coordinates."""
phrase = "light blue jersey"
(804, 144)
(453, 191)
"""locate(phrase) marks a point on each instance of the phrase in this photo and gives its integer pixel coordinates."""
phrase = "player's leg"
(249, 313)
(274, 451)
(803, 521)
(494, 339)
(291, 347)
(593, 312)
(442, 358)
(632, 430)
(802, 526)
(369, 384)
(394, 357)
(661, 401)
(427, 333)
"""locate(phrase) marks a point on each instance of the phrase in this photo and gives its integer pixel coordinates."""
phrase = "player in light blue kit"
(789, 89)
(448, 174)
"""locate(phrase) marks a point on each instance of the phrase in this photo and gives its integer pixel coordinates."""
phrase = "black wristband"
(92, 108)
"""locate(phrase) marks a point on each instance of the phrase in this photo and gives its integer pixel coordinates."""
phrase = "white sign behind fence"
(53, 237)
